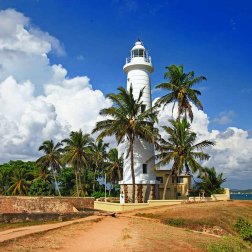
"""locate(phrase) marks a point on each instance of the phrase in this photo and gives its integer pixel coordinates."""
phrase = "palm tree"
(19, 182)
(210, 182)
(114, 166)
(180, 148)
(77, 153)
(98, 156)
(126, 121)
(180, 88)
(51, 159)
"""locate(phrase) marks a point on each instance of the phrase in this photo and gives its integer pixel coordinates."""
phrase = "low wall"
(22, 204)
(117, 207)
(201, 199)
(42, 217)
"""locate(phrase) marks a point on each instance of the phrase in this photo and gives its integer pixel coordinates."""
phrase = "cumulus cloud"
(224, 117)
(38, 101)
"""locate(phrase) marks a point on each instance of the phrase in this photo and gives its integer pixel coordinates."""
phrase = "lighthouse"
(138, 68)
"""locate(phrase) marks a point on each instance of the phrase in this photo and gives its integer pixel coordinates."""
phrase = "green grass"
(229, 244)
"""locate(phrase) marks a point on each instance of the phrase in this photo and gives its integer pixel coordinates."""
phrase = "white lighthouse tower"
(138, 68)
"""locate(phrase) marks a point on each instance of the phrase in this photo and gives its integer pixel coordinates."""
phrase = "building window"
(143, 107)
(180, 180)
(160, 179)
(144, 168)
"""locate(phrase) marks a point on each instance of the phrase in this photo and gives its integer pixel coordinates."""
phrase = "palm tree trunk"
(77, 183)
(56, 183)
(167, 180)
(119, 175)
(94, 179)
(55, 180)
(132, 169)
(80, 184)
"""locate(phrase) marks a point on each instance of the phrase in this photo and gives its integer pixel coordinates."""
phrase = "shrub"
(244, 228)
(98, 194)
(174, 222)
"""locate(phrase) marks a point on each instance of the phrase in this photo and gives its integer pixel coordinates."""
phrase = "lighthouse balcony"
(137, 59)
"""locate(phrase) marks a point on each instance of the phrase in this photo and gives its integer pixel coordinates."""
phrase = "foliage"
(77, 154)
(67, 181)
(114, 166)
(51, 160)
(210, 182)
(125, 120)
(180, 85)
(98, 194)
(98, 160)
(41, 187)
(244, 228)
(16, 177)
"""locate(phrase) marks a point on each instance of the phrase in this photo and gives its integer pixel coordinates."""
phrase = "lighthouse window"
(143, 107)
(144, 168)
(141, 53)
(135, 53)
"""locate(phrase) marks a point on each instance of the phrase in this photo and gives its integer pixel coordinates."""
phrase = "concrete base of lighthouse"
(143, 191)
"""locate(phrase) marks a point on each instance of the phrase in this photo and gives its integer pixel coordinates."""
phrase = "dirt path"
(105, 235)
(124, 233)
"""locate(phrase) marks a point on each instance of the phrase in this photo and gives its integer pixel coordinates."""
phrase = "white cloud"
(29, 116)
(224, 117)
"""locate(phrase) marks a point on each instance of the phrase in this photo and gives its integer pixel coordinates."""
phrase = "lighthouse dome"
(138, 50)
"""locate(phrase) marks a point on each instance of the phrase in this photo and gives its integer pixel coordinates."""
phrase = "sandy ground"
(112, 234)
(126, 232)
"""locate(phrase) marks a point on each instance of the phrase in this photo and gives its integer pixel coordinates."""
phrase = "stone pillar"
(152, 192)
(140, 193)
(125, 189)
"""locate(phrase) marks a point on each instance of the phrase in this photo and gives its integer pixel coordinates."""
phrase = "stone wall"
(42, 217)
(24, 204)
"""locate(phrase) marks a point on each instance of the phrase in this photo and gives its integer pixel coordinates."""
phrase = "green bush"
(244, 228)
(98, 194)
(174, 222)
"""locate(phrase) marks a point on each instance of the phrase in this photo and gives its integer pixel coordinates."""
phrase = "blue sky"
(213, 38)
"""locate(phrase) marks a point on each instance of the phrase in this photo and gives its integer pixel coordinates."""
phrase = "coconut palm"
(181, 149)
(210, 181)
(19, 182)
(77, 154)
(114, 166)
(51, 159)
(180, 88)
(98, 157)
(125, 121)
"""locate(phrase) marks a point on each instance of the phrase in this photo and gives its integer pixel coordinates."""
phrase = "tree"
(210, 181)
(180, 87)
(51, 159)
(19, 182)
(77, 154)
(98, 158)
(180, 148)
(125, 121)
(114, 166)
